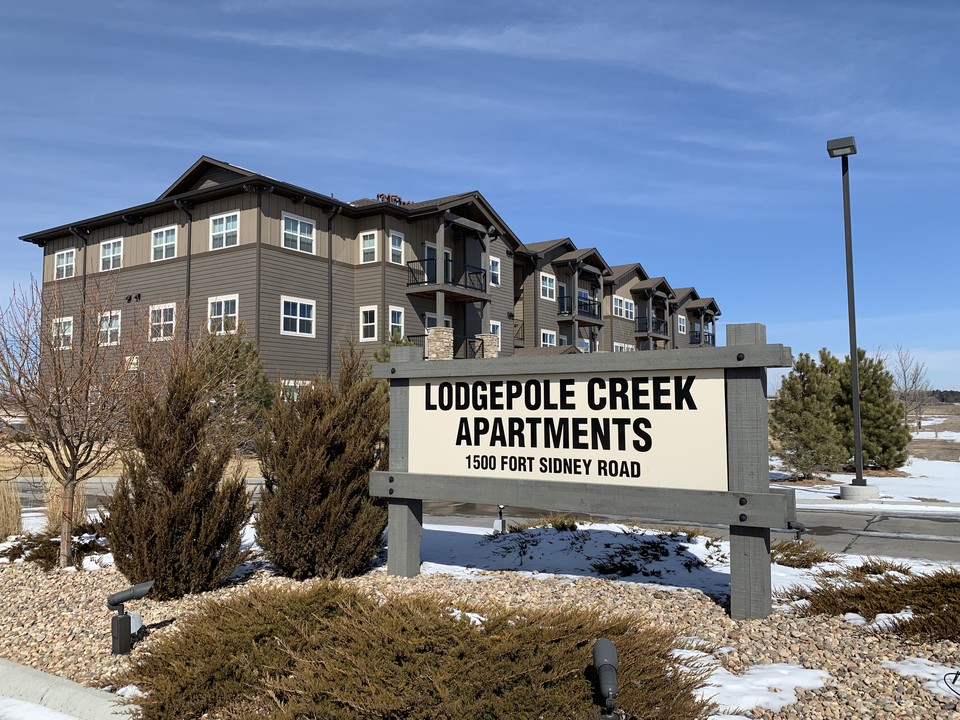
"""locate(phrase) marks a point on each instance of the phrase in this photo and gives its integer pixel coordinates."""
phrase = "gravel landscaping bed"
(58, 622)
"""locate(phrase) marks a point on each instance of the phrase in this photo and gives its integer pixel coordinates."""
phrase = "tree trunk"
(66, 524)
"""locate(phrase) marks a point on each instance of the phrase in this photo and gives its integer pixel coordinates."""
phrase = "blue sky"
(688, 136)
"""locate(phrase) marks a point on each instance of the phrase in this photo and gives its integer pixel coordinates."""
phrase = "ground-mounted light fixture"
(606, 664)
(121, 624)
(843, 148)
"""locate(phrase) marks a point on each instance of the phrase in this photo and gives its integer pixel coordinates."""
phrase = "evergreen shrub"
(316, 450)
(178, 511)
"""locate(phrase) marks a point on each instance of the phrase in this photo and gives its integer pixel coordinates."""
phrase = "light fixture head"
(842, 146)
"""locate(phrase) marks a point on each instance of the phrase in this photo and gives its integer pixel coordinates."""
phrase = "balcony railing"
(424, 272)
(657, 326)
(708, 338)
(518, 333)
(587, 308)
(464, 348)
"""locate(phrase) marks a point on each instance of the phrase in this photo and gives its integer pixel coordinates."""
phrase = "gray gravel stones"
(58, 622)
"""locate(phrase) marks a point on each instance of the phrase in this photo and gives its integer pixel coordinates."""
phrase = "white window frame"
(495, 273)
(109, 316)
(58, 327)
(496, 328)
(548, 338)
(682, 324)
(223, 233)
(394, 235)
(396, 327)
(548, 287)
(583, 344)
(72, 254)
(113, 261)
(223, 316)
(162, 323)
(298, 317)
(363, 236)
(447, 320)
(163, 246)
(300, 235)
(291, 388)
(624, 347)
(622, 307)
(366, 325)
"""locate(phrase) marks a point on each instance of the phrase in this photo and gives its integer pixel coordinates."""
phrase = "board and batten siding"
(292, 274)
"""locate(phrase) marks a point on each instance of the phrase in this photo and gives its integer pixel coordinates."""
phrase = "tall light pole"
(843, 148)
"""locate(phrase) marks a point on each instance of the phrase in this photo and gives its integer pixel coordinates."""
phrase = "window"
(222, 314)
(396, 248)
(162, 318)
(368, 247)
(224, 230)
(548, 338)
(298, 233)
(111, 254)
(548, 286)
(164, 243)
(430, 320)
(368, 323)
(109, 328)
(495, 330)
(396, 321)
(564, 340)
(682, 324)
(63, 333)
(583, 344)
(623, 308)
(290, 389)
(624, 347)
(495, 272)
(64, 263)
(296, 316)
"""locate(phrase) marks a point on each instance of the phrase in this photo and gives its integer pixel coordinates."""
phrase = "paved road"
(884, 531)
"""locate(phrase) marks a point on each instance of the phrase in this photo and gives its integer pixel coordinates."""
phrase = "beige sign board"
(664, 429)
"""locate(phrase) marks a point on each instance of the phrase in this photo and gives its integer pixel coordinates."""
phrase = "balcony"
(462, 281)
(656, 326)
(708, 338)
(586, 310)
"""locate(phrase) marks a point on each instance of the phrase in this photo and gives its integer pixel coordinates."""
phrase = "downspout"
(82, 234)
(186, 206)
(330, 218)
(536, 303)
(383, 317)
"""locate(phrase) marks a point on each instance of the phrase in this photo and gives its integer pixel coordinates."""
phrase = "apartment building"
(306, 273)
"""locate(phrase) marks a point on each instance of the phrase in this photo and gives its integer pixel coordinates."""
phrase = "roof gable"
(204, 173)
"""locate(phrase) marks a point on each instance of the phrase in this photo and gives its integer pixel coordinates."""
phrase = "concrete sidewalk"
(25, 684)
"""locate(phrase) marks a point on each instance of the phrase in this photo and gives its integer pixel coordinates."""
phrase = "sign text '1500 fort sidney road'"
(664, 429)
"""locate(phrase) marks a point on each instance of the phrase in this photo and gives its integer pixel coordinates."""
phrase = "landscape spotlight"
(121, 625)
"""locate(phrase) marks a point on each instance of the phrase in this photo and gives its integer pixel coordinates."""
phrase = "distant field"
(934, 449)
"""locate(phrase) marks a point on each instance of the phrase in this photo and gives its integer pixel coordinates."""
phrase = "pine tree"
(177, 513)
(803, 423)
(884, 438)
(316, 450)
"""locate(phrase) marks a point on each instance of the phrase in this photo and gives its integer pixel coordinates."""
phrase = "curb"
(56, 693)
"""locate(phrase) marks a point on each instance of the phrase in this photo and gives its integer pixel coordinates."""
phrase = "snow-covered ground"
(927, 482)
(666, 560)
